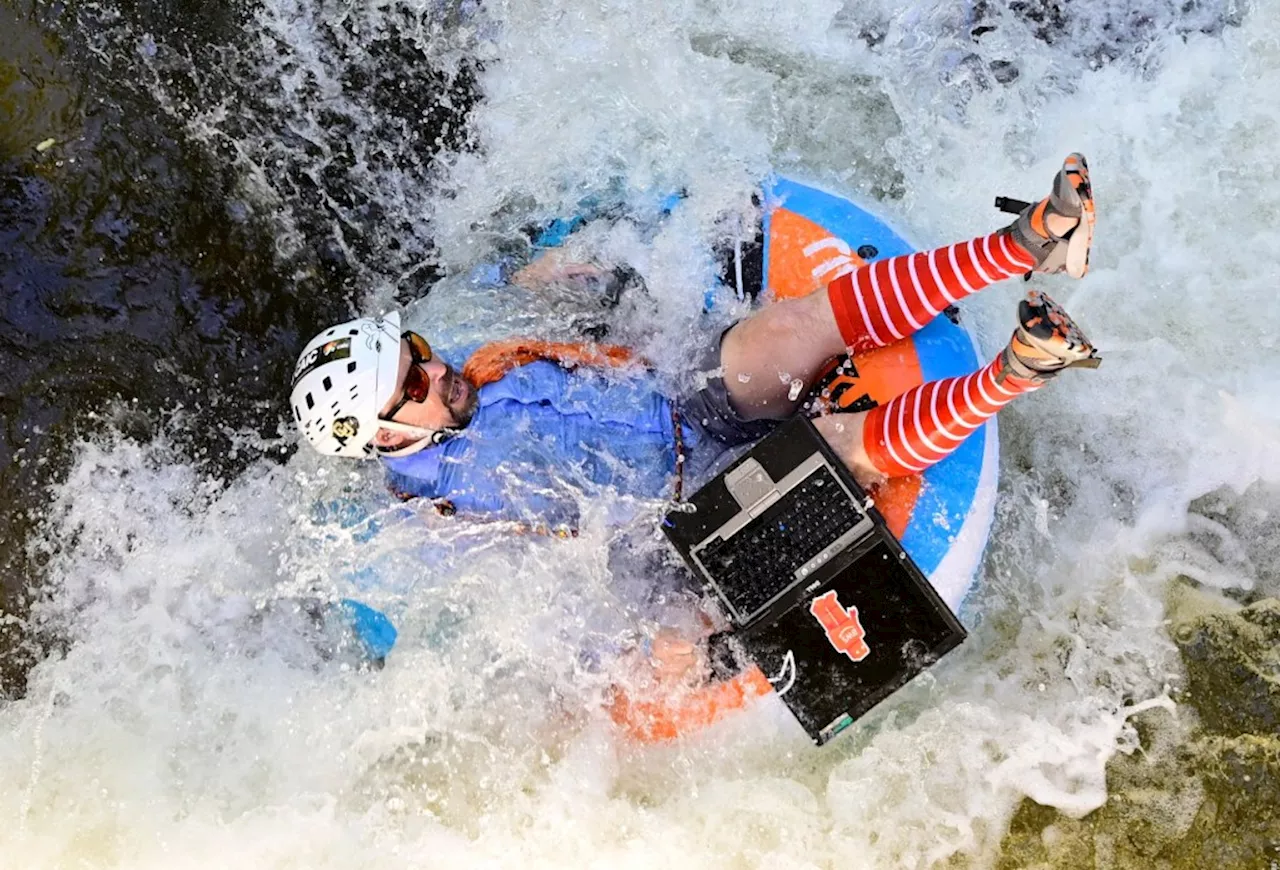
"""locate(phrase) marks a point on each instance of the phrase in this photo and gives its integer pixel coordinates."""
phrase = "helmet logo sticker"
(374, 332)
(843, 628)
(330, 351)
(344, 428)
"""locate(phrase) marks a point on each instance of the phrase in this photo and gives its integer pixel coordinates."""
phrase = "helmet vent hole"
(328, 383)
(297, 412)
(351, 367)
(311, 403)
(354, 332)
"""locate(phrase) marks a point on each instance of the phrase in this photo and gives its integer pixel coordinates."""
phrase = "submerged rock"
(1233, 668)
(1239, 824)
(1153, 805)
(1198, 794)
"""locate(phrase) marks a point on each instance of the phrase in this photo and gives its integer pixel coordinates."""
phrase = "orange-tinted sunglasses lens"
(418, 347)
(416, 384)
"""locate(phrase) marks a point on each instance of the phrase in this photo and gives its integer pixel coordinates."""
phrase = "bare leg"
(783, 342)
(765, 355)
(844, 432)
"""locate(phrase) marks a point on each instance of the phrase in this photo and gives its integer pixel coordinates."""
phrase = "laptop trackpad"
(750, 484)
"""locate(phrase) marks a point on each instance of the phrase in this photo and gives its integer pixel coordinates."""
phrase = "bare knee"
(765, 355)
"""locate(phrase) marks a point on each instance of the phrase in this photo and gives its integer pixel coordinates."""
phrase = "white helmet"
(343, 379)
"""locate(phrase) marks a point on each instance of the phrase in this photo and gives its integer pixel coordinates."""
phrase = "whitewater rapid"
(177, 729)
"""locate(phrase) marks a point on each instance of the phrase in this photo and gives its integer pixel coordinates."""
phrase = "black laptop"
(820, 594)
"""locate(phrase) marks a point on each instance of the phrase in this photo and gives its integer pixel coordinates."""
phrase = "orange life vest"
(493, 360)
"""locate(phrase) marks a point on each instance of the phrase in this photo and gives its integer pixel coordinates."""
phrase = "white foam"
(170, 733)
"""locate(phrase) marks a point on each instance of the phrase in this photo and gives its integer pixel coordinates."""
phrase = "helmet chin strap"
(426, 438)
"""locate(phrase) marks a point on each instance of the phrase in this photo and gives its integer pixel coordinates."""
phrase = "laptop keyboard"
(760, 560)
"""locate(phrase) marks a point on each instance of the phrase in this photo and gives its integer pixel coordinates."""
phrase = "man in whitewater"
(526, 423)
(528, 426)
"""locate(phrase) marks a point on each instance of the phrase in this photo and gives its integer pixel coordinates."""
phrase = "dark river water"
(136, 281)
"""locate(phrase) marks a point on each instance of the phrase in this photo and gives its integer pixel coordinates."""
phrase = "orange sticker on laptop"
(842, 626)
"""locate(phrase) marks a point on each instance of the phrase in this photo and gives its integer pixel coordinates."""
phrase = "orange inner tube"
(656, 719)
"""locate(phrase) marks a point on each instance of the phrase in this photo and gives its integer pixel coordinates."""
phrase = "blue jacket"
(542, 437)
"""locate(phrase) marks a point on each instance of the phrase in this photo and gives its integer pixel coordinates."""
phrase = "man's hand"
(673, 658)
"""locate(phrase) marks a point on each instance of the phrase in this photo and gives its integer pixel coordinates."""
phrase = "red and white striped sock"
(888, 300)
(926, 423)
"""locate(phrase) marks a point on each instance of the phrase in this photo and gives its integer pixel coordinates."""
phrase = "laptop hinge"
(837, 565)
(750, 485)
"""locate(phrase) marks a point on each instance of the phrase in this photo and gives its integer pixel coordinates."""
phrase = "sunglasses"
(417, 384)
